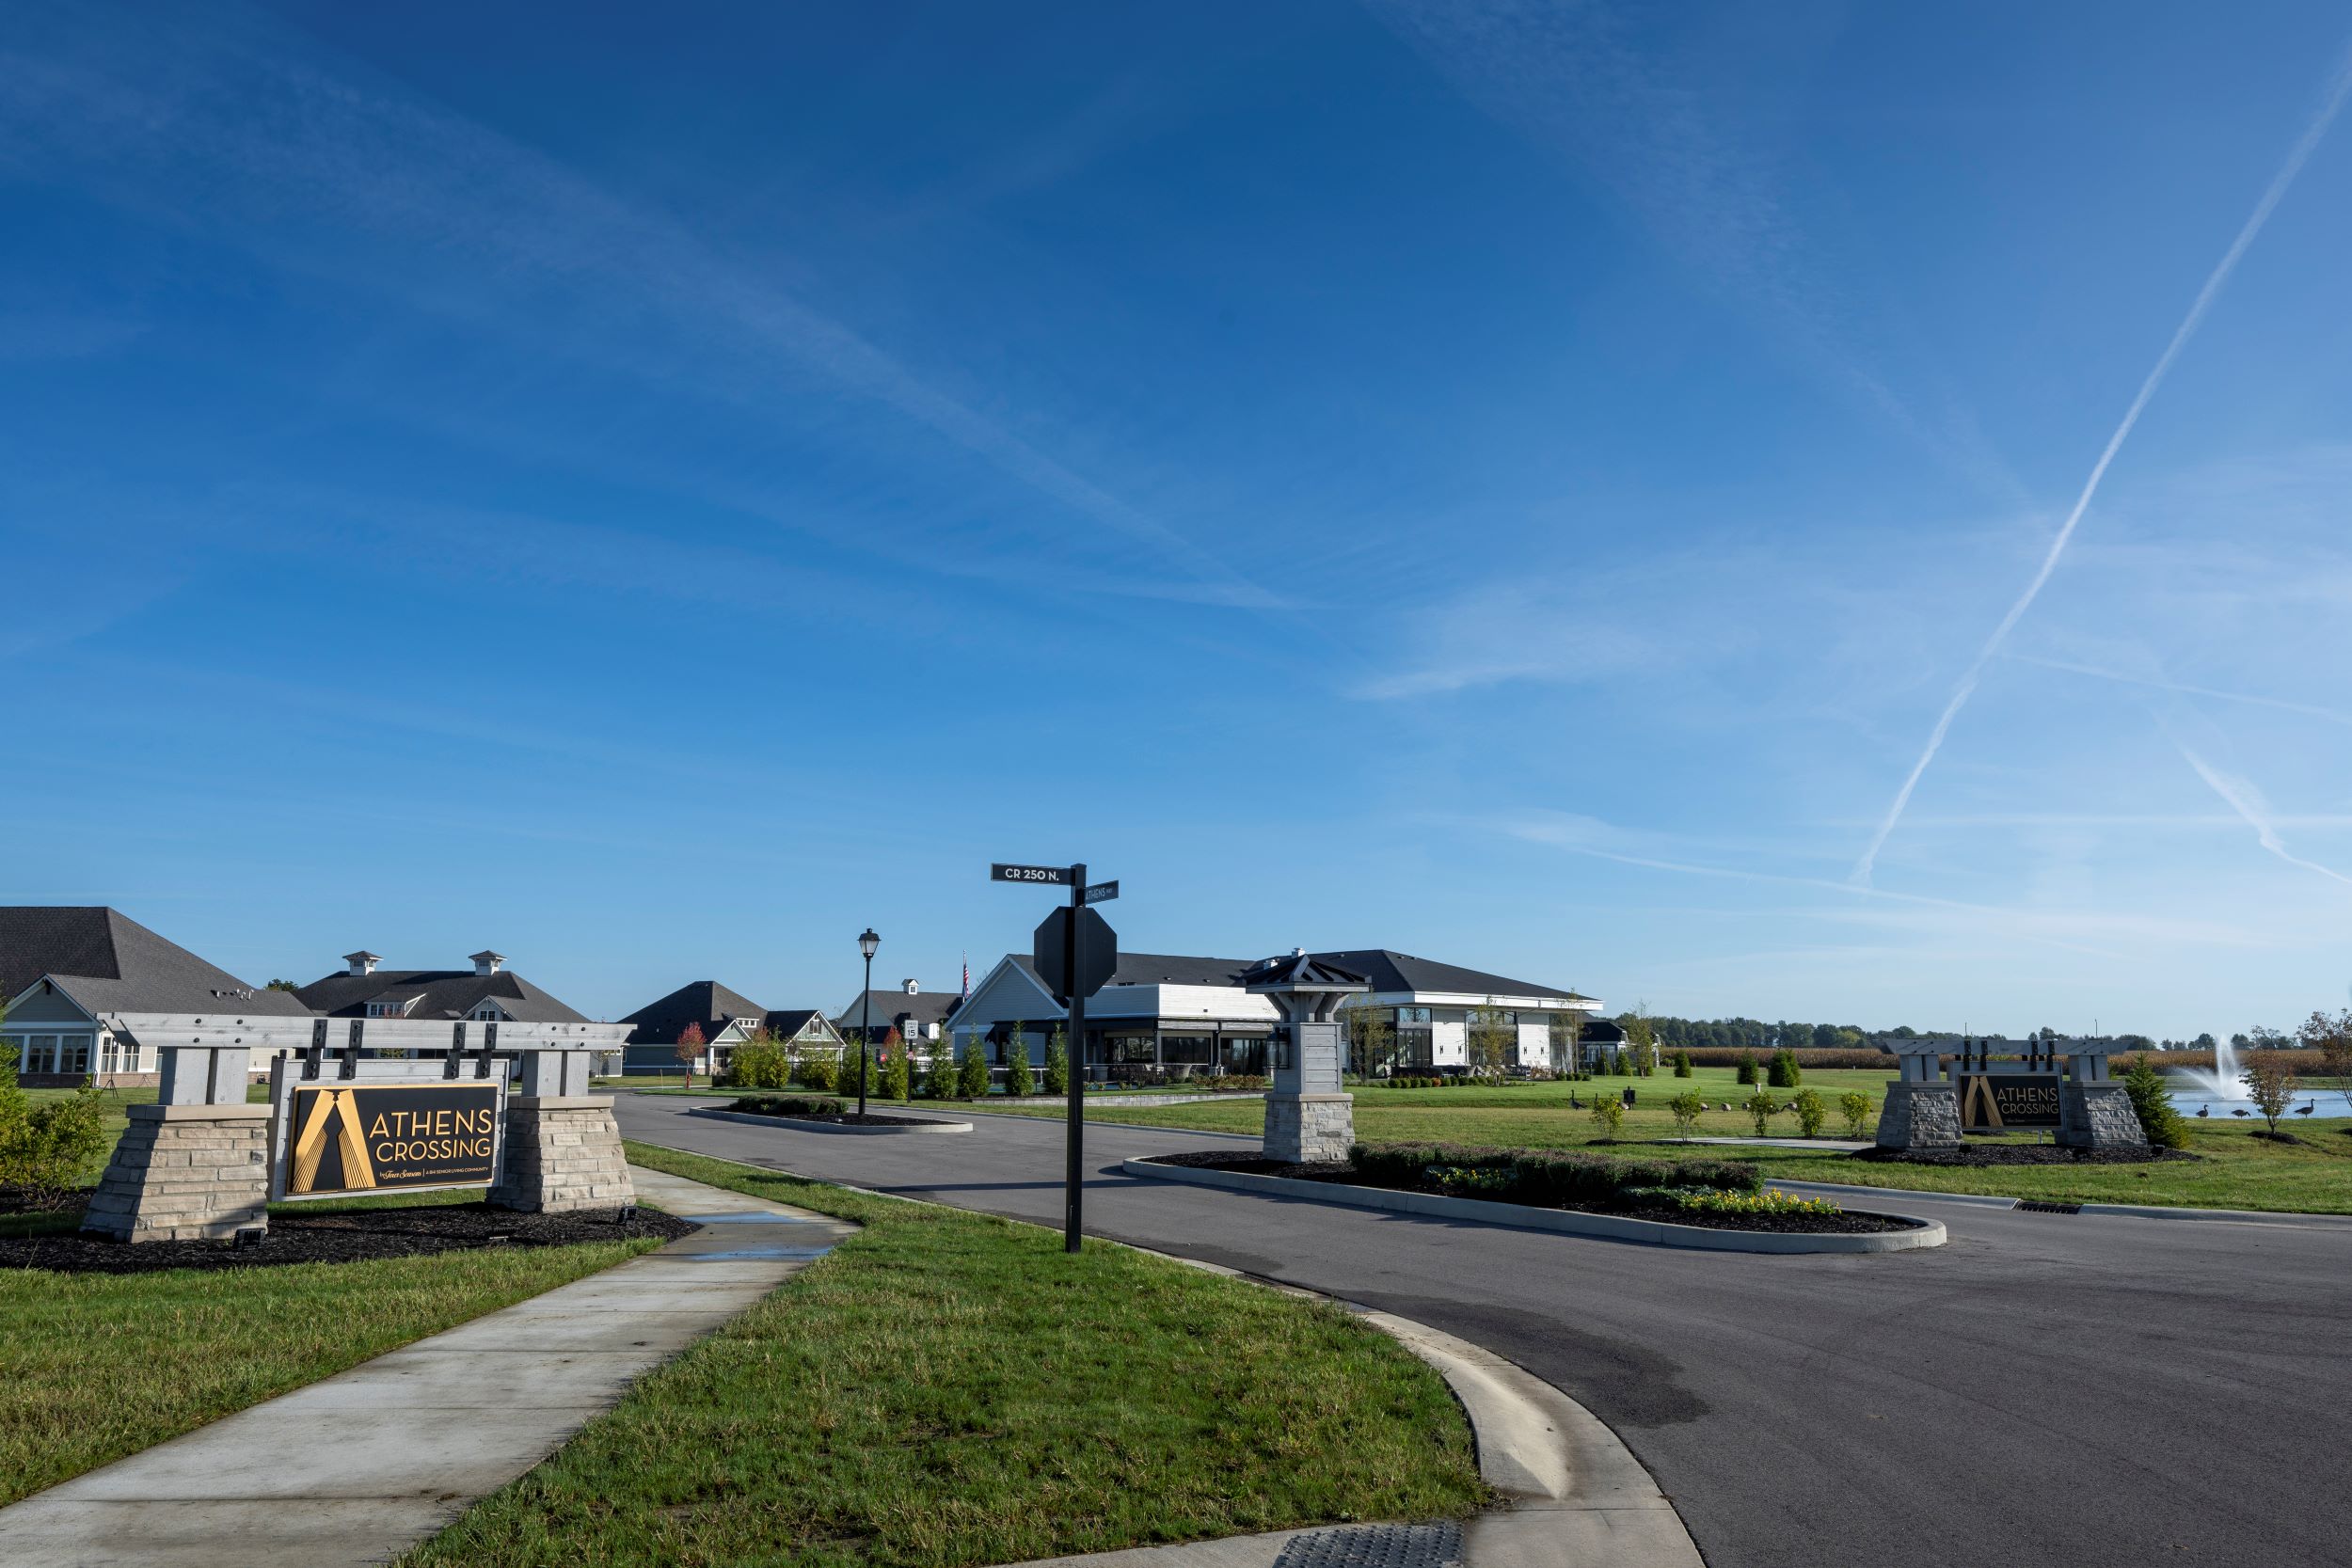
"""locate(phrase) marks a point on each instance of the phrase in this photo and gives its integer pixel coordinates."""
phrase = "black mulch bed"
(2022, 1154)
(342, 1238)
(1845, 1223)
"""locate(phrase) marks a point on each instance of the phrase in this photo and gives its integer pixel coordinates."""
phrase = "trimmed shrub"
(759, 1063)
(898, 1071)
(1544, 1176)
(790, 1105)
(1747, 1066)
(1017, 1079)
(1811, 1110)
(1057, 1065)
(972, 1078)
(820, 1070)
(1682, 1064)
(1855, 1107)
(1783, 1073)
(48, 1150)
(940, 1078)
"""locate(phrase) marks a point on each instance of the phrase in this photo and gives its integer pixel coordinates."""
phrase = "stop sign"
(1098, 952)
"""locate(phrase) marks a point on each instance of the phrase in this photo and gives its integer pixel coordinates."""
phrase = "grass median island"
(2234, 1169)
(948, 1388)
(96, 1366)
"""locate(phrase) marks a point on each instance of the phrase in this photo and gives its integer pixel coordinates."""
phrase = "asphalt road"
(2047, 1388)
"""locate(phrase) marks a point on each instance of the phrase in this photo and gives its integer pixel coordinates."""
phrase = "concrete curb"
(1573, 1493)
(2126, 1210)
(1615, 1228)
(796, 1125)
(1134, 1101)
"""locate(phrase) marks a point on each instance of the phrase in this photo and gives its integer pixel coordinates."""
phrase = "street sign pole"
(1074, 1183)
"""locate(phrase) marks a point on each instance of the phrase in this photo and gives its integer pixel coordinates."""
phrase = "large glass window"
(1188, 1049)
(1243, 1054)
(1134, 1049)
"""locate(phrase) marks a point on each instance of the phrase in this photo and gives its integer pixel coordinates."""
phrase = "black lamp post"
(866, 942)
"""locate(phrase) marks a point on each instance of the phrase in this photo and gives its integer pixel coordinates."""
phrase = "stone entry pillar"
(562, 1153)
(1308, 1117)
(2095, 1111)
(185, 1173)
(1920, 1115)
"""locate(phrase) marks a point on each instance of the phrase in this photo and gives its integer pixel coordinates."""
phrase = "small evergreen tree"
(1682, 1064)
(897, 1070)
(1017, 1079)
(1057, 1063)
(940, 1077)
(1784, 1072)
(1747, 1066)
(2159, 1123)
(971, 1083)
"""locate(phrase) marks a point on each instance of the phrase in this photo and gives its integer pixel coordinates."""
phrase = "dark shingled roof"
(704, 1002)
(927, 1006)
(110, 963)
(440, 992)
(788, 1022)
(1383, 970)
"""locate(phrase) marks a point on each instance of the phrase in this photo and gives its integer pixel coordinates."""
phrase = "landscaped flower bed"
(800, 1107)
(1720, 1194)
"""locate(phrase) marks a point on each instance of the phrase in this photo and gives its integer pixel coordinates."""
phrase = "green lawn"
(81, 1351)
(2239, 1171)
(947, 1388)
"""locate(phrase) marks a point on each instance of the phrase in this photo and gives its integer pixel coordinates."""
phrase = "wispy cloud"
(2338, 86)
(249, 136)
(2248, 802)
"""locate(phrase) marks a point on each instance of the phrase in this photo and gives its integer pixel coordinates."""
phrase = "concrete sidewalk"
(360, 1466)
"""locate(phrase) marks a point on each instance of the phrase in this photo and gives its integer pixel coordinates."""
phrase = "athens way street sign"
(1098, 952)
(1099, 892)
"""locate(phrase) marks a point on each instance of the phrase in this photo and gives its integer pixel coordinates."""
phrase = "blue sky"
(658, 491)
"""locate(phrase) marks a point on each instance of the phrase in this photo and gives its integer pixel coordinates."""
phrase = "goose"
(2241, 1111)
(2205, 1110)
(2307, 1107)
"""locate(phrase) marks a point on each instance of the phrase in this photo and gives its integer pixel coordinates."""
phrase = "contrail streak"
(2248, 802)
(2296, 158)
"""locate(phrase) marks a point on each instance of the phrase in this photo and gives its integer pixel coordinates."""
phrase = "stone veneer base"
(1310, 1129)
(185, 1172)
(562, 1153)
(1920, 1115)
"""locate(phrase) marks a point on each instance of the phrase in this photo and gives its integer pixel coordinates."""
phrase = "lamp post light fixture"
(866, 942)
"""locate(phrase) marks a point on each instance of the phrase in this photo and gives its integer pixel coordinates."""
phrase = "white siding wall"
(1536, 1044)
(1448, 1046)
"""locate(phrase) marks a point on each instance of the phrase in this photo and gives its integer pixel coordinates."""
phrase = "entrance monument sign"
(2001, 1086)
(1309, 1116)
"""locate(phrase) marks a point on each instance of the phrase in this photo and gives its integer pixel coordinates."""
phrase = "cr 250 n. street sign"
(344, 1137)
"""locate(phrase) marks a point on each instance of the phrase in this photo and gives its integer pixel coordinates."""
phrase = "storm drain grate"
(2036, 1206)
(1438, 1546)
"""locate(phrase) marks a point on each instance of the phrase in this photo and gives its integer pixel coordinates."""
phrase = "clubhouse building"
(1165, 1016)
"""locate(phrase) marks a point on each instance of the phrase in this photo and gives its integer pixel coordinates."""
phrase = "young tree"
(1371, 1037)
(1811, 1110)
(2332, 1039)
(1058, 1062)
(1608, 1114)
(2271, 1087)
(1686, 1107)
(1855, 1107)
(1488, 1040)
(1641, 1036)
(971, 1083)
(897, 1068)
(1761, 1107)
(688, 1050)
(1567, 1036)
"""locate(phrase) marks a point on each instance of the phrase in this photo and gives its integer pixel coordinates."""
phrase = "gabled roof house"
(78, 980)
(726, 1017)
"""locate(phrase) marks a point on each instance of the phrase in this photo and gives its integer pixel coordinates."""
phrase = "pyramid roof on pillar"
(1301, 971)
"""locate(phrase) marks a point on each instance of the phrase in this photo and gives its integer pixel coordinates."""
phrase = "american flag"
(967, 981)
